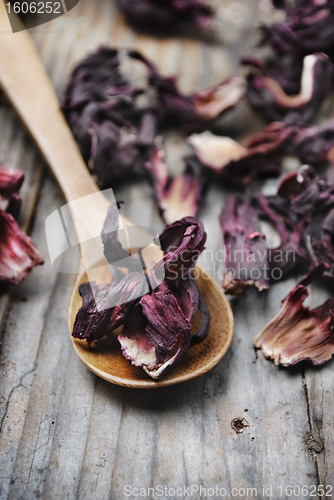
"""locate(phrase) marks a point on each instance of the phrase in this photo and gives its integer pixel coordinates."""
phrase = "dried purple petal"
(10, 183)
(156, 328)
(298, 333)
(96, 317)
(167, 13)
(177, 197)
(18, 254)
(303, 208)
(204, 105)
(308, 28)
(246, 261)
(115, 138)
(183, 242)
(211, 103)
(161, 333)
(266, 94)
(238, 165)
(314, 145)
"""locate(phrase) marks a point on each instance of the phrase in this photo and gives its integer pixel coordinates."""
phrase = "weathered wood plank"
(319, 383)
(69, 434)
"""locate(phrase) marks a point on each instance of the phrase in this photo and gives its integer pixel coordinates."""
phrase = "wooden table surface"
(66, 434)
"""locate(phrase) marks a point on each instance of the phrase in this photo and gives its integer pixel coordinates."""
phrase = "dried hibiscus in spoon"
(156, 320)
(298, 333)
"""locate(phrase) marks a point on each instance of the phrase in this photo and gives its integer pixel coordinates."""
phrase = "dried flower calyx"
(308, 28)
(298, 333)
(10, 183)
(303, 214)
(156, 323)
(204, 105)
(168, 13)
(266, 94)
(245, 247)
(18, 254)
(239, 164)
(118, 137)
(115, 137)
(179, 196)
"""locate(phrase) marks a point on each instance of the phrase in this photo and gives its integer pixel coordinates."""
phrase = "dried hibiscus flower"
(115, 138)
(204, 105)
(180, 196)
(10, 183)
(308, 28)
(266, 94)
(303, 214)
(238, 165)
(314, 145)
(18, 254)
(156, 322)
(298, 333)
(166, 14)
(245, 247)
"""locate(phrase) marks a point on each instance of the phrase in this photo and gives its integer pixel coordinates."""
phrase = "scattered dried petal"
(204, 105)
(18, 254)
(166, 14)
(245, 247)
(298, 333)
(115, 138)
(308, 28)
(239, 165)
(177, 197)
(10, 183)
(266, 94)
(302, 212)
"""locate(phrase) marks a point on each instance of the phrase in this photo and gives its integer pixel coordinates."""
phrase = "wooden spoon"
(29, 90)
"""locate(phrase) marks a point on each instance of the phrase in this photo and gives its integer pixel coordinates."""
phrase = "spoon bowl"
(105, 359)
(38, 108)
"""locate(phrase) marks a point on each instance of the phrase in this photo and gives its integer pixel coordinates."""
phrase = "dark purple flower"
(246, 260)
(238, 165)
(115, 138)
(308, 28)
(180, 196)
(267, 95)
(314, 145)
(200, 106)
(298, 333)
(10, 183)
(166, 14)
(18, 254)
(303, 213)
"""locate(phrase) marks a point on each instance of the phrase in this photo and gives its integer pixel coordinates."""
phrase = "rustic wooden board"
(67, 434)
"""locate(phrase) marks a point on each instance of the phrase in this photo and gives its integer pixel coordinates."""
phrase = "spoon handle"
(28, 88)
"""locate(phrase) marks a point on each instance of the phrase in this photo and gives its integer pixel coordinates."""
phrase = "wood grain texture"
(66, 433)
